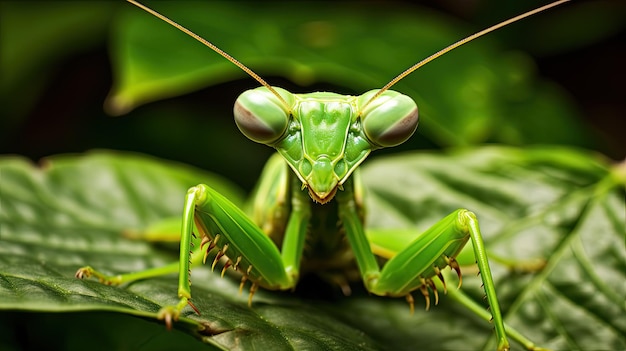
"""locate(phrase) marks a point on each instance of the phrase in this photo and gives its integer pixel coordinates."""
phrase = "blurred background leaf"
(461, 104)
(554, 78)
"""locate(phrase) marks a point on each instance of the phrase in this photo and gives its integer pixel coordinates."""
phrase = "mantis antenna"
(214, 48)
(459, 43)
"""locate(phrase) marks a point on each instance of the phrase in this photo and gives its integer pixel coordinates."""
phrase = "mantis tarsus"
(321, 139)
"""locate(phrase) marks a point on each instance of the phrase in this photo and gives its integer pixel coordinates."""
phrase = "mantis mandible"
(310, 192)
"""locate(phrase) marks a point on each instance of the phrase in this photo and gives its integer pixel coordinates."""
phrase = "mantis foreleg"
(414, 267)
(228, 231)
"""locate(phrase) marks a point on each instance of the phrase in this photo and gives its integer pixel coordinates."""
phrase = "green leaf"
(559, 204)
(466, 103)
(552, 203)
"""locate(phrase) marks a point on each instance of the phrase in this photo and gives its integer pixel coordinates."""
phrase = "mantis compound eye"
(390, 119)
(261, 116)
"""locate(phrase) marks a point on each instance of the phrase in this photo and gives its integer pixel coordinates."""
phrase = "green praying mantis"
(308, 213)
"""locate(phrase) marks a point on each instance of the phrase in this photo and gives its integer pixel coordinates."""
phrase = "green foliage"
(462, 103)
(541, 203)
(561, 204)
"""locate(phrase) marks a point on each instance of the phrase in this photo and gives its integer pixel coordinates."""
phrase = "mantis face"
(324, 137)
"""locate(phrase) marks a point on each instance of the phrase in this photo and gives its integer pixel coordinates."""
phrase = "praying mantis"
(310, 196)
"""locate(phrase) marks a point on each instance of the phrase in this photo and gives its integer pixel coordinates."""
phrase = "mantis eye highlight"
(261, 116)
(390, 119)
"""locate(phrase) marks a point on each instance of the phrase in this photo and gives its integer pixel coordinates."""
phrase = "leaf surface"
(559, 204)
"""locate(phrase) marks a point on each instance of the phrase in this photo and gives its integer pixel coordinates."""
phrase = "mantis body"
(308, 211)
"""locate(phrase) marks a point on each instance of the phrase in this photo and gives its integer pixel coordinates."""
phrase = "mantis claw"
(169, 314)
(426, 294)
(253, 289)
(168, 321)
(83, 272)
(440, 276)
(236, 265)
(229, 263)
(212, 244)
(426, 283)
(219, 255)
(411, 301)
(432, 286)
(88, 272)
(452, 262)
(244, 278)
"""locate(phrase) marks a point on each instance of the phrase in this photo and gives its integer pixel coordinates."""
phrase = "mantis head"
(324, 137)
